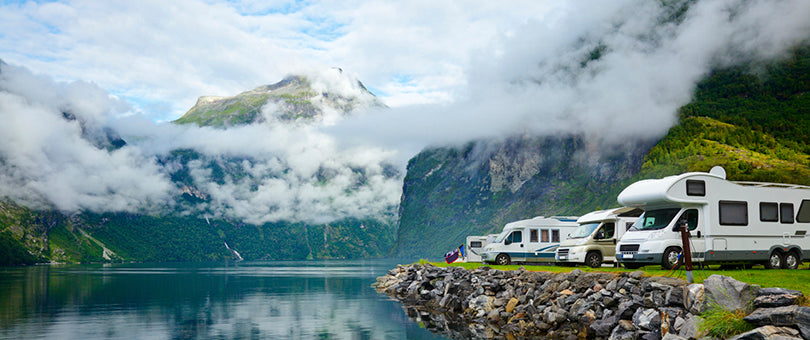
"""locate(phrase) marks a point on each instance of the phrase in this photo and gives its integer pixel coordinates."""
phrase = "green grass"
(719, 322)
(798, 279)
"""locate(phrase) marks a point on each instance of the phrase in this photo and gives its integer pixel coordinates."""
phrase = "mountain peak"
(294, 98)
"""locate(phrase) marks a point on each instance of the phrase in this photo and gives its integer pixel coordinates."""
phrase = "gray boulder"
(777, 297)
(769, 333)
(796, 316)
(694, 297)
(729, 293)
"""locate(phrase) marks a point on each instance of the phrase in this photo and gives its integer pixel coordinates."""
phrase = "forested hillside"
(752, 120)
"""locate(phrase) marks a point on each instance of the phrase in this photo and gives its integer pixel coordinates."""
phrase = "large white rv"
(475, 246)
(594, 241)
(532, 240)
(729, 222)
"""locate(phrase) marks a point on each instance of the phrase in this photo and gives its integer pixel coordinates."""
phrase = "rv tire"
(671, 258)
(791, 261)
(593, 259)
(775, 261)
(503, 259)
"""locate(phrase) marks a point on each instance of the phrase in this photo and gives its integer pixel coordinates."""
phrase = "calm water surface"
(246, 300)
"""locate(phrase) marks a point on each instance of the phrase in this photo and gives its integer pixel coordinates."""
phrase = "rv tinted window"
(691, 217)
(544, 235)
(695, 187)
(476, 244)
(517, 236)
(804, 212)
(786, 212)
(609, 230)
(533, 235)
(733, 213)
(555, 236)
(768, 212)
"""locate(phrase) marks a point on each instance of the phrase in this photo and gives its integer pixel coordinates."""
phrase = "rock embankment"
(487, 303)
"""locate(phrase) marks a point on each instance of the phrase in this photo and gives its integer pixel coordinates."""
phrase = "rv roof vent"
(718, 171)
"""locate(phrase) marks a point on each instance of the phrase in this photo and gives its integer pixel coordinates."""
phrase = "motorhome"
(532, 240)
(594, 241)
(729, 222)
(475, 246)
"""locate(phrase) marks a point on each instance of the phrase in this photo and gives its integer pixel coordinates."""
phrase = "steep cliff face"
(450, 193)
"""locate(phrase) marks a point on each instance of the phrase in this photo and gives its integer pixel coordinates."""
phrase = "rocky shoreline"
(488, 303)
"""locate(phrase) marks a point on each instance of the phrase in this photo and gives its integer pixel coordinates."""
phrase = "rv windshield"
(584, 230)
(655, 219)
(502, 236)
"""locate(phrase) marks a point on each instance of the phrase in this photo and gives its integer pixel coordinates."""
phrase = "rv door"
(696, 232)
(514, 246)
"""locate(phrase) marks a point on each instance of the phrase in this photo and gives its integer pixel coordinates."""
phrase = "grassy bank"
(798, 279)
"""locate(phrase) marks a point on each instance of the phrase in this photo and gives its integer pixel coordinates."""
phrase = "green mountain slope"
(752, 120)
(294, 98)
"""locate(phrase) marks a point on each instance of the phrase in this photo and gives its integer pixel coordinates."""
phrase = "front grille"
(562, 251)
(628, 248)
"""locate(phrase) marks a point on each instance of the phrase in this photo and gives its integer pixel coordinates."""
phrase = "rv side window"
(695, 187)
(786, 212)
(733, 213)
(533, 235)
(691, 217)
(544, 235)
(609, 230)
(555, 236)
(768, 212)
(517, 236)
(476, 244)
(804, 212)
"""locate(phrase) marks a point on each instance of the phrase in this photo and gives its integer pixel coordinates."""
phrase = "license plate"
(563, 257)
(627, 256)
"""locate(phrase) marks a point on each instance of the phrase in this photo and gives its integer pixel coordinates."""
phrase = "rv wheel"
(775, 261)
(791, 261)
(503, 259)
(593, 259)
(671, 258)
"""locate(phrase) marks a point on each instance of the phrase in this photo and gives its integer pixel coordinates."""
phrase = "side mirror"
(599, 235)
(507, 242)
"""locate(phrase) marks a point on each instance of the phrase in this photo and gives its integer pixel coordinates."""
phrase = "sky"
(449, 71)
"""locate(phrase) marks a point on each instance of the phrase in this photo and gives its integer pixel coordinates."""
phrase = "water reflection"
(257, 300)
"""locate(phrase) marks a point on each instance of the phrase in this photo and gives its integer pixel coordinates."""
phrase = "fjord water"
(245, 300)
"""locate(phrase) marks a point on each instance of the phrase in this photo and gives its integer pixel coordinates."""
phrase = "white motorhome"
(729, 222)
(532, 240)
(475, 246)
(594, 241)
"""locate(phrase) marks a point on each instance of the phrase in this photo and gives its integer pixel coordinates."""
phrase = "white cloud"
(536, 81)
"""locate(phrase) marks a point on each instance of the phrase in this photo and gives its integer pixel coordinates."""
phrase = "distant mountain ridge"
(294, 98)
(187, 228)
